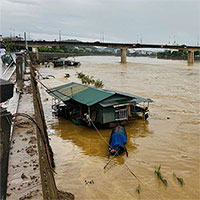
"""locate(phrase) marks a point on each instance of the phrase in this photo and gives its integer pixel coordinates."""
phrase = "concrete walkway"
(23, 171)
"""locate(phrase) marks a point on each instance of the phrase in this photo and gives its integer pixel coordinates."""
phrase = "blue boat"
(118, 140)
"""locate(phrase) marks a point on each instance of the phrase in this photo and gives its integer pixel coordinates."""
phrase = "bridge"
(122, 46)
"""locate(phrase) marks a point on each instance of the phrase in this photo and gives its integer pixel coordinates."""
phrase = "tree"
(10, 46)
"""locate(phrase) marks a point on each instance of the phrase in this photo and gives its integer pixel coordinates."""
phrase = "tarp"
(117, 139)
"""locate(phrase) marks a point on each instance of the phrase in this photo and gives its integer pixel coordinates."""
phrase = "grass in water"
(138, 189)
(180, 180)
(159, 175)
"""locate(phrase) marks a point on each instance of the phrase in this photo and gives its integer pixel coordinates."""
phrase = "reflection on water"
(89, 140)
(171, 137)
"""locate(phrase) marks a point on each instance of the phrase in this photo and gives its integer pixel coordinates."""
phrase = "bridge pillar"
(123, 55)
(190, 57)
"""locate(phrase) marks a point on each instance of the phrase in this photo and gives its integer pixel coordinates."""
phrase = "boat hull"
(118, 140)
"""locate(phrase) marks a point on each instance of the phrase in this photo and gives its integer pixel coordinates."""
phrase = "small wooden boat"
(117, 143)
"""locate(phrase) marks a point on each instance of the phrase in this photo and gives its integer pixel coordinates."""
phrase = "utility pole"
(26, 45)
(59, 35)
(10, 32)
(174, 39)
(101, 36)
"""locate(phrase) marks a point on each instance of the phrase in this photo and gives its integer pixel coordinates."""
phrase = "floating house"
(83, 104)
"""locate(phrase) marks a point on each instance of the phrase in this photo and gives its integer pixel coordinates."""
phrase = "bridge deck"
(32, 43)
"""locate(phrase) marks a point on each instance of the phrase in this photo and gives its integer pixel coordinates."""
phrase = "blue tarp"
(117, 139)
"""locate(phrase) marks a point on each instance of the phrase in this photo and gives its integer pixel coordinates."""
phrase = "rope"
(111, 159)
(99, 132)
(115, 153)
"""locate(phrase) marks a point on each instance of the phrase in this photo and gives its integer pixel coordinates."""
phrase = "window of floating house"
(121, 113)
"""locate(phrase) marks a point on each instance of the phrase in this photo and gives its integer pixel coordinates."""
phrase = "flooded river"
(170, 138)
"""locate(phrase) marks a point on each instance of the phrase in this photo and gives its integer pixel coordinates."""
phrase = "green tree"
(10, 46)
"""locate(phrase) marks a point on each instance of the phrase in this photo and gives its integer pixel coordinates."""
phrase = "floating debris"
(159, 175)
(180, 180)
(138, 189)
(51, 131)
(89, 182)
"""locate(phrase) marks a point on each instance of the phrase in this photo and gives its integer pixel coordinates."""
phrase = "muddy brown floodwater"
(170, 138)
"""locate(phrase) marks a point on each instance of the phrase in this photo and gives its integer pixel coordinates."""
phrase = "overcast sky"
(153, 21)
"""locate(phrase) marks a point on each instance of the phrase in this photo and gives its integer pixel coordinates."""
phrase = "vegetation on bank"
(9, 45)
(182, 55)
(76, 50)
(172, 54)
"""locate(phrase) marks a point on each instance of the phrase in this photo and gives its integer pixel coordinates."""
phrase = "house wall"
(108, 114)
(99, 114)
(104, 114)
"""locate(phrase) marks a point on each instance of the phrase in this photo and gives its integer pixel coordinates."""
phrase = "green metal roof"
(135, 98)
(90, 95)
(80, 93)
(115, 100)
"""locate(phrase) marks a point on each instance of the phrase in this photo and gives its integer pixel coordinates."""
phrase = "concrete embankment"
(5, 119)
(30, 173)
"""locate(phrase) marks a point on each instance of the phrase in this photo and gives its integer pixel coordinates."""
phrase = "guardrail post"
(36, 51)
(19, 66)
(19, 69)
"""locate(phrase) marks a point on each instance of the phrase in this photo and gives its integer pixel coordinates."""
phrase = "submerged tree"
(89, 80)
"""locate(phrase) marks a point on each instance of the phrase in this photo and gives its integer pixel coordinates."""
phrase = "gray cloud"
(156, 21)
(26, 2)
